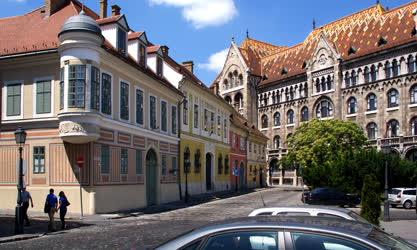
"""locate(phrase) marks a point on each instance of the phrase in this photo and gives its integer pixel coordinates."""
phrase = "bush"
(371, 203)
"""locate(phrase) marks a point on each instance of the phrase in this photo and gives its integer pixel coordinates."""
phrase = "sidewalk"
(406, 229)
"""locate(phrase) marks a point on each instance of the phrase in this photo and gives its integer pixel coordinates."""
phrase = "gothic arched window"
(393, 128)
(388, 70)
(277, 142)
(393, 98)
(352, 105)
(329, 82)
(290, 117)
(374, 73)
(372, 130)
(413, 126)
(413, 94)
(411, 64)
(264, 121)
(304, 114)
(324, 109)
(366, 75)
(347, 80)
(372, 102)
(277, 119)
(395, 68)
(353, 78)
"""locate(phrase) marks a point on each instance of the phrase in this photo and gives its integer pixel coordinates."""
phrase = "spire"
(314, 24)
(247, 33)
(233, 39)
(377, 2)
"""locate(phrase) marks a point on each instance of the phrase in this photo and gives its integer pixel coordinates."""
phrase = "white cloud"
(215, 61)
(203, 13)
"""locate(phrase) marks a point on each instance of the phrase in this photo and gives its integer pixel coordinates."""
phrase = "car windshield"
(390, 241)
(357, 217)
(394, 191)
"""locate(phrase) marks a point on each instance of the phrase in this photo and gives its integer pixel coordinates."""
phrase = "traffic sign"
(235, 171)
(80, 161)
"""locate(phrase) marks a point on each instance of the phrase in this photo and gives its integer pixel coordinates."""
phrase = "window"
(185, 111)
(242, 143)
(61, 88)
(413, 94)
(76, 86)
(164, 169)
(374, 73)
(411, 64)
(174, 120)
(366, 75)
(372, 130)
(396, 70)
(174, 165)
(205, 119)
(197, 163)
(139, 106)
(347, 80)
(196, 116)
(164, 117)
(352, 105)
(329, 82)
(323, 84)
(152, 112)
(243, 240)
(142, 55)
(393, 128)
(225, 128)
(372, 102)
(226, 165)
(324, 109)
(124, 101)
(353, 78)
(38, 160)
(139, 162)
(388, 70)
(95, 88)
(413, 126)
(124, 161)
(290, 117)
(14, 99)
(277, 119)
(393, 98)
(43, 97)
(159, 66)
(304, 114)
(105, 159)
(264, 121)
(277, 142)
(320, 241)
(106, 94)
(219, 125)
(121, 40)
(220, 165)
(212, 122)
(187, 160)
(250, 146)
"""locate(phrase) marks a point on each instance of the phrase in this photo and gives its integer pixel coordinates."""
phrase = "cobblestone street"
(151, 229)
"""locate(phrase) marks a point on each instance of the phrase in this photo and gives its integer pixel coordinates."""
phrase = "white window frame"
(120, 100)
(111, 93)
(6, 83)
(35, 85)
(144, 109)
(158, 128)
(161, 100)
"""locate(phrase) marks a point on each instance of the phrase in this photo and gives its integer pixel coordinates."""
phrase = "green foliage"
(371, 203)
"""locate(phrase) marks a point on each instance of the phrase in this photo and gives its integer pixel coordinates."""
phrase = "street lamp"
(20, 136)
(386, 149)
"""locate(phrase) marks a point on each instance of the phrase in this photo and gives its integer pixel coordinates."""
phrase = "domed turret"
(81, 22)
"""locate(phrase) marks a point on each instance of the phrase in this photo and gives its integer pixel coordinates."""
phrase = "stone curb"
(20, 237)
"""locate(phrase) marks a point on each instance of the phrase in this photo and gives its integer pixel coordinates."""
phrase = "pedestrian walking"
(63, 204)
(51, 204)
(26, 197)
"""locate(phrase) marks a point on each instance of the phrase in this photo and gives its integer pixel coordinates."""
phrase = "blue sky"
(200, 30)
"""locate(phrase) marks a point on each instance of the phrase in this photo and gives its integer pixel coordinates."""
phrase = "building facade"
(84, 94)
(361, 68)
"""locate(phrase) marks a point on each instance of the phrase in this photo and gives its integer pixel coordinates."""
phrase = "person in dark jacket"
(63, 204)
(51, 202)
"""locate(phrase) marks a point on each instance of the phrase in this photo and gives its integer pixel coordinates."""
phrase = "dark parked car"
(330, 196)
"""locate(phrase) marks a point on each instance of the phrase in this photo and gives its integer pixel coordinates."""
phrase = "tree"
(371, 202)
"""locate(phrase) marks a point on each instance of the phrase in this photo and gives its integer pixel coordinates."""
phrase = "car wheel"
(393, 205)
(408, 204)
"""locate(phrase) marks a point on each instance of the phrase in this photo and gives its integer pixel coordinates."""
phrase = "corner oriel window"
(124, 101)
(76, 86)
(106, 94)
(95, 88)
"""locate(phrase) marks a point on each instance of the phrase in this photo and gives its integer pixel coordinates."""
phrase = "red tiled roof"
(361, 30)
(134, 35)
(110, 19)
(153, 49)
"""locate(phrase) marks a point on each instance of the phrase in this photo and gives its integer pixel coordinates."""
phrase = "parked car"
(321, 211)
(287, 232)
(405, 197)
(330, 196)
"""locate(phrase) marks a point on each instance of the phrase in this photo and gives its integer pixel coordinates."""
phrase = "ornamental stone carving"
(70, 128)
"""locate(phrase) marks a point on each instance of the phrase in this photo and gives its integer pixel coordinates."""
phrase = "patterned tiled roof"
(361, 31)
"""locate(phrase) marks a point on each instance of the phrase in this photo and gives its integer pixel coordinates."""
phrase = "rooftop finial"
(377, 2)
(233, 39)
(314, 24)
(247, 33)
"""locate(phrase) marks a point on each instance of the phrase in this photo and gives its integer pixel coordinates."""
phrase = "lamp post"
(20, 137)
(186, 171)
(386, 149)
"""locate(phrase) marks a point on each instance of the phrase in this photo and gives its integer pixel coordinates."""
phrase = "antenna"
(247, 33)
(314, 24)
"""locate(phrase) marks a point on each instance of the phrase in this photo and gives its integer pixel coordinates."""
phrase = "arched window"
(347, 80)
(374, 73)
(411, 64)
(323, 83)
(290, 117)
(317, 85)
(393, 128)
(329, 82)
(277, 142)
(304, 114)
(277, 119)
(220, 164)
(413, 94)
(231, 80)
(388, 70)
(292, 93)
(413, 126)
(353, 78)
(395, 68)
(372, 130)
(240, 79)
(366, 74)
(324, 109)
(287, 94)
(225, 84)
(372, 102)
(238, 101)
(197, 162)
(264, 121)
(352, 105)
(393, 98)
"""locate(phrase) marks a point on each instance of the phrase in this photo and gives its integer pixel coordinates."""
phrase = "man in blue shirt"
(52, 201)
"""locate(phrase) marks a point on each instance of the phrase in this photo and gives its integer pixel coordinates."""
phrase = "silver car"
(322, 211)
(287, 232)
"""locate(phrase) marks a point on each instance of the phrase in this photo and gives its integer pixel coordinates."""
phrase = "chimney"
(415, 18)
(52, 6)
(165, 50)
(189, 65)
(103, 8)
(115, 10)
